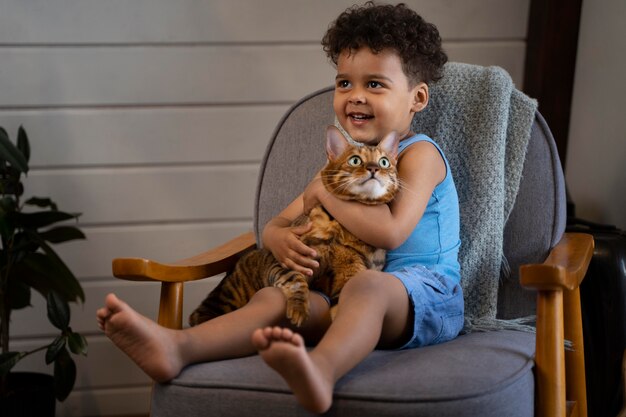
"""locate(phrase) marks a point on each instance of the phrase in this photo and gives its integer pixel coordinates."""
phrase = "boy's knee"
(366, 281)
(270, 295)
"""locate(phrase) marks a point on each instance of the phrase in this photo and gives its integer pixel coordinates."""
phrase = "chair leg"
(549, 360)
(575, 358)
(171, 305)
(623, 412)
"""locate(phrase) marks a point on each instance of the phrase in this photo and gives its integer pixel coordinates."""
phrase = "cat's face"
(360, 172)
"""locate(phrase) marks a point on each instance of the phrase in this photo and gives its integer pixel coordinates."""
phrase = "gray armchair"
(503, 373)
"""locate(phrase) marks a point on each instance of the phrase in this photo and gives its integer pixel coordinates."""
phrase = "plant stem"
(5, 313)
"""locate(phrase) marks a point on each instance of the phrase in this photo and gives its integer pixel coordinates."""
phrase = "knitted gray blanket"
(483, 124)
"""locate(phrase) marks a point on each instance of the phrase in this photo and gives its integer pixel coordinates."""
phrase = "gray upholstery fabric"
(537, 221)
(480, 374)
(294, 155)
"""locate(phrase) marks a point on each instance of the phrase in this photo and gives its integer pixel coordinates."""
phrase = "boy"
(385, 58)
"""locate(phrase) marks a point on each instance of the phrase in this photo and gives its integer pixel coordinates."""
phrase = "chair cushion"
(478, 374)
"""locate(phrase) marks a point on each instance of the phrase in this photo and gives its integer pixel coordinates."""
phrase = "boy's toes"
(260, 339)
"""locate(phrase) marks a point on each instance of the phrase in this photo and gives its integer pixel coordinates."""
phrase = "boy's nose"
(357, 97)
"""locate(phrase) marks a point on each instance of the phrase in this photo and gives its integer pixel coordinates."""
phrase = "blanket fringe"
(487, 324)
(521, 324)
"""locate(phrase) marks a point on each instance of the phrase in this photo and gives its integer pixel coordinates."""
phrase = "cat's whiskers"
(403, 187)
(343, 183)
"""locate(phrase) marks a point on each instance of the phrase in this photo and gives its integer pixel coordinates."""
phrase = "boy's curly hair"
(398, 28)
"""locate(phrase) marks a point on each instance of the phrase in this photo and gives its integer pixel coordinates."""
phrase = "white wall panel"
(150, 194)
(104, 76)
(91, 259)
(113, 76)
(148, 135)
(125, 401)
(144, 296)
(164, 21)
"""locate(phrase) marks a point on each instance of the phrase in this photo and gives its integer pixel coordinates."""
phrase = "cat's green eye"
(384, 162)
(355, 161)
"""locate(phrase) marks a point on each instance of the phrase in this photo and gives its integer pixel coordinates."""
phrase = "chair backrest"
(537, 221)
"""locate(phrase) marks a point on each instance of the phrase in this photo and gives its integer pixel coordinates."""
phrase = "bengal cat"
(354, 171)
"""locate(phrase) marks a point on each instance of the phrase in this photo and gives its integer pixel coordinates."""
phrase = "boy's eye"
(374, 84)
(343, 84)
(354, 161)
(384, 162)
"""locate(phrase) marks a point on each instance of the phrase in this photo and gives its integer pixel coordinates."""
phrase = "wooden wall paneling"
(140, 295)
(91, 259)
(231, 21)
(141, 112)
(146, 135)
(148, 194)
(139, 75)
(202, 75)
(117, 371)
(506, 54)
(124, 401)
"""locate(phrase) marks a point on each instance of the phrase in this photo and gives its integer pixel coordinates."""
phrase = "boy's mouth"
(360, 117)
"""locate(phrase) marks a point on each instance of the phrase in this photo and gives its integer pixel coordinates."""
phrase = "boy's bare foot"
(149, 345)
(285, 352)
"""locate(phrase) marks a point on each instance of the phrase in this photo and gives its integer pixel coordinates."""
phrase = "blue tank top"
(434, 243)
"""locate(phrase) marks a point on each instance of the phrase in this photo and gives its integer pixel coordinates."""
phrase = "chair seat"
(478, 374)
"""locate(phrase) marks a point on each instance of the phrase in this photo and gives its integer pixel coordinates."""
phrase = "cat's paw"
(297, 312)
(333, 312)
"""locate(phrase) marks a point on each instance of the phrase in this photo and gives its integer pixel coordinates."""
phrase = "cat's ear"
(336, 143)
(389, 144)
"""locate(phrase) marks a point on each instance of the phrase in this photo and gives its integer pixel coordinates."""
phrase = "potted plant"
(27, 262)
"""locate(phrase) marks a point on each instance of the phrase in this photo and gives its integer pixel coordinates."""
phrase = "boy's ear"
(389, 144)
(336, 143)
(420, 97)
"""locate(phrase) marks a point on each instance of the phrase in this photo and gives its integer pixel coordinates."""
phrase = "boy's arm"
(284, 241)
(420, 169)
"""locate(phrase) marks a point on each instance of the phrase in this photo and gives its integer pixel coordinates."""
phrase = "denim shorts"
(437, 303)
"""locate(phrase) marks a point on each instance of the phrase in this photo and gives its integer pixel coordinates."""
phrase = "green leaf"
(64, 375)
(77, 343)
(43, 202)
(72, 286)
(24, 242)
(11, 154)
(44, 274)
(8, 360)
(58, 311)
(7, 226)
(8, 204)
(19, 294)
(54, 348)
(41, 218)
(22, 143)
(62, 234)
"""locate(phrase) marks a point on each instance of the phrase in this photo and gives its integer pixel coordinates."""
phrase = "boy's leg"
(162, 353)
(374, 310)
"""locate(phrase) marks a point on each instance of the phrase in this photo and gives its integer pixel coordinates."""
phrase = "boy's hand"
(284, 243)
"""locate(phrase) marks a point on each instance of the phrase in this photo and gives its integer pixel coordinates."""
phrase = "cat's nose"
(372, 168)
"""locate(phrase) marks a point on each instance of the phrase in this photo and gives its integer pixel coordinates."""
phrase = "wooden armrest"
(557, 280)
(207, 264)
(564, 268)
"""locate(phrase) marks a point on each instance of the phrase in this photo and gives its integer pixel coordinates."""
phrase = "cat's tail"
(235, 289)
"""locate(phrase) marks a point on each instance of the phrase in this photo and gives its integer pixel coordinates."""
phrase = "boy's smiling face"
(373, 96)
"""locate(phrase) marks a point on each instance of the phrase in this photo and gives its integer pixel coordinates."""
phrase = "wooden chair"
(497, 373)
